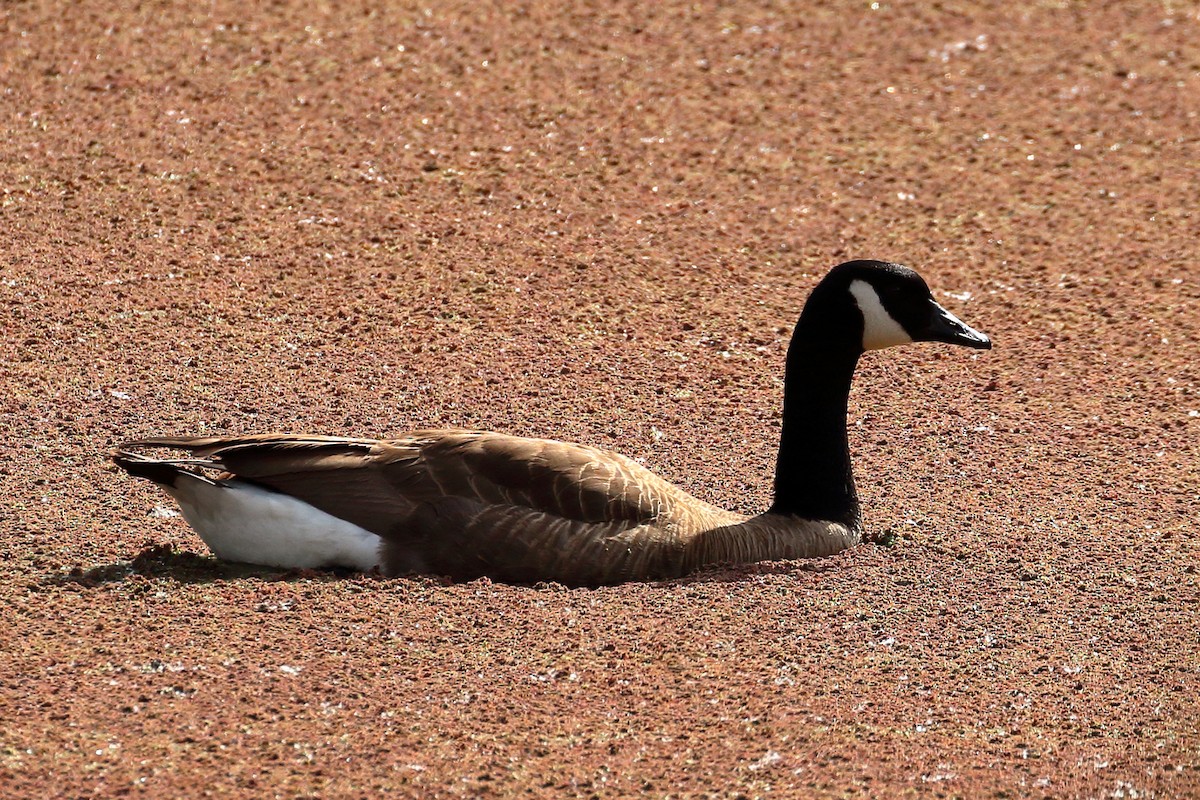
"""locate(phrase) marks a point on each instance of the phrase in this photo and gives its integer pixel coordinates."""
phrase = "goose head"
(870, 305)
(858, 306)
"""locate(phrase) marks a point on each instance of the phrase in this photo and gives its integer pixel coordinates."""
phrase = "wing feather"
(377, 484)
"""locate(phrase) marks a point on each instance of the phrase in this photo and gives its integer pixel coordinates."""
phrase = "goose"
(468, 504)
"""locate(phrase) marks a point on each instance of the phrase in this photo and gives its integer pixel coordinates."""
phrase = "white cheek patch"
(880, 329)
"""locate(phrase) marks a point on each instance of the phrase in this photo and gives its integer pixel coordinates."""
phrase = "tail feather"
(164, 472)
(208, 445)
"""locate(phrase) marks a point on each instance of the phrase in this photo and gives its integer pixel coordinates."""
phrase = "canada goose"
(468, 504)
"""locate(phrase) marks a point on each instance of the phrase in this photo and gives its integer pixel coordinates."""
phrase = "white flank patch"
(880, 330)
(240, 522)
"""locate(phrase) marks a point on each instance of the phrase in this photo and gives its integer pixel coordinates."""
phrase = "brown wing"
(567, 480)
(376, 484)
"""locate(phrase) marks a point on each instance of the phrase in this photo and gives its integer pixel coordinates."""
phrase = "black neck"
(813, 476)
